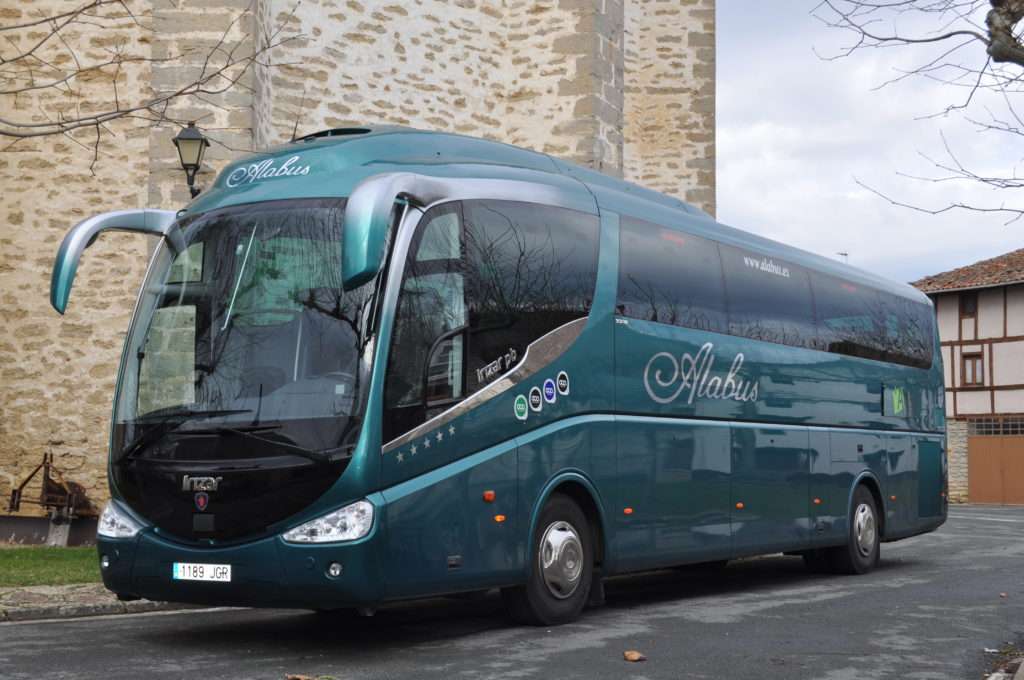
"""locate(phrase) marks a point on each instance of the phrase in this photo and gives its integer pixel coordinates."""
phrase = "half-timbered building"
(980, 310)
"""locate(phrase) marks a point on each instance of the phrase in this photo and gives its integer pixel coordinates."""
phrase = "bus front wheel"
(561, 569)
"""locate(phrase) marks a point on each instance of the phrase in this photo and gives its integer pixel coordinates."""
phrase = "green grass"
(43, 566)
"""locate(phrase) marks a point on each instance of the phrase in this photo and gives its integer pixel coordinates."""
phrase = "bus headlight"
(115, 523)
(351, 522)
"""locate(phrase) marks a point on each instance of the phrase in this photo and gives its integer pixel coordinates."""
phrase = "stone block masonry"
(956, 459)
(623, 86)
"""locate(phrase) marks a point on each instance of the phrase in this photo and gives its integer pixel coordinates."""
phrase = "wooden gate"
(995, 469)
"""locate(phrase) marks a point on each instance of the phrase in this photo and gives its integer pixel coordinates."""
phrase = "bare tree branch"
(981, 52)
(42, 59)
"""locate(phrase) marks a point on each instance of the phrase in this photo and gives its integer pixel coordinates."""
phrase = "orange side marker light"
(627, 511)
(489, 496)
(817, 501)
(499, 518)
(892, 498)
(739, 506)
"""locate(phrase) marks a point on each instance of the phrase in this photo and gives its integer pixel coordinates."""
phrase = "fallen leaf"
(633, 656)
(292, 676)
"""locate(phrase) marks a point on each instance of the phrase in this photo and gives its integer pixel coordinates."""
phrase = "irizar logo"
(692, 375)
(200, 483)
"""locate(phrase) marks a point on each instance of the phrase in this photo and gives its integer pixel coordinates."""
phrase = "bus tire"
(561, 567)
(861, 552)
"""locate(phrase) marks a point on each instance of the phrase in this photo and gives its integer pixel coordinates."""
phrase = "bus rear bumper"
(264, 573)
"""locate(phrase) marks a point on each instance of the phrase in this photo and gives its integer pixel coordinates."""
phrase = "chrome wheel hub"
(864, 529)
(561, 559)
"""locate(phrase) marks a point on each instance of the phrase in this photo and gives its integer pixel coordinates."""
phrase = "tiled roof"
(998, 271)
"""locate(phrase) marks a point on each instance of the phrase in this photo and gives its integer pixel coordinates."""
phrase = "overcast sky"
(795, 132)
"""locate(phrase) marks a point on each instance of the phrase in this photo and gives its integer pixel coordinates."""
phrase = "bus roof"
(332, 162)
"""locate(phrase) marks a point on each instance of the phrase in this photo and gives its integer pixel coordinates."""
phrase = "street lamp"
(191, 146)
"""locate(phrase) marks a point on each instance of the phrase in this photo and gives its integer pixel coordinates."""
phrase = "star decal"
(400, 457)
(426, 443)
(440, 435)
(451, 429)
(413, 450)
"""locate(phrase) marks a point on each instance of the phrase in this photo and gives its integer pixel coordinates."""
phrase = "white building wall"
(967, 329)
(973, 403)
(1008, 360)
(1009, 401)
(1015, 310)
(990, 313)
(948, 312)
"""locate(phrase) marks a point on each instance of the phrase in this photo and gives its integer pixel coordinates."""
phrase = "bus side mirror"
(371, 207)
(83, 234)
(369, 214)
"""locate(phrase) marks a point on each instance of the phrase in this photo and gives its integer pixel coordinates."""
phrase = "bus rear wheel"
(561, 569)
(863, 544)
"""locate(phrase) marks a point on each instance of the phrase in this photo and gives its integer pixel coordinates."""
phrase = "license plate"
(187, 571)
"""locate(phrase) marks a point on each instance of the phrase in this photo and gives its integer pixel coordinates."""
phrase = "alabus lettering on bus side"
(254, 172)
(694, 376)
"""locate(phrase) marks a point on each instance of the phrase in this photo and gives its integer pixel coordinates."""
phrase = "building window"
(973, 371)
(1000, 427)
(969, 304)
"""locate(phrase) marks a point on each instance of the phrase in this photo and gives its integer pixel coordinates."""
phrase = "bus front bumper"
(265, 573)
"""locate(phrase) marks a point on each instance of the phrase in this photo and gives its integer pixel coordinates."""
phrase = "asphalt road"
(929, 611)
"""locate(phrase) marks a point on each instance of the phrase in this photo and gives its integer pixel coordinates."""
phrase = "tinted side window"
(850, 317)
(482, 280)
(532, 268)
(909, 332)
(670, 277)
(859, 321)
(431, 309)
(768, 299)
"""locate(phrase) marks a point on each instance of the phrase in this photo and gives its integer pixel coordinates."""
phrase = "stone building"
(980, 311)
(623, 86)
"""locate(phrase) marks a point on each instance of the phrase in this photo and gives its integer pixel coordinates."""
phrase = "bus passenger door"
(770, 487)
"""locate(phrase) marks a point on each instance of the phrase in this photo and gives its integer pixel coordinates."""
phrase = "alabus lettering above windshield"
(694, 377)
(254, 172)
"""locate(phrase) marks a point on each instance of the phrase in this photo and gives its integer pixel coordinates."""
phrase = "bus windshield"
(244, 333)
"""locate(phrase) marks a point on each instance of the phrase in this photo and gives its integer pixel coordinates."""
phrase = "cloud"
(796, 133)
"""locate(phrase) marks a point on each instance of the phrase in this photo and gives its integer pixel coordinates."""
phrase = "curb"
(74, 611)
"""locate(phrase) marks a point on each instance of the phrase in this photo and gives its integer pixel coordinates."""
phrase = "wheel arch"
(870, 481)
(583, 492)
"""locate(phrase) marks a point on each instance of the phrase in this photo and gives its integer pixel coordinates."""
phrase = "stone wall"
(57, 373)
(670, 98)
(626, 89)
(956, 459)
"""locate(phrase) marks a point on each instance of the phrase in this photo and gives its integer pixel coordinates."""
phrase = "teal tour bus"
(382, 364)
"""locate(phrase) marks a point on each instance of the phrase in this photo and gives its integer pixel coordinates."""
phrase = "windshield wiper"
(172, 418)
(178, 412)
(249, 431)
